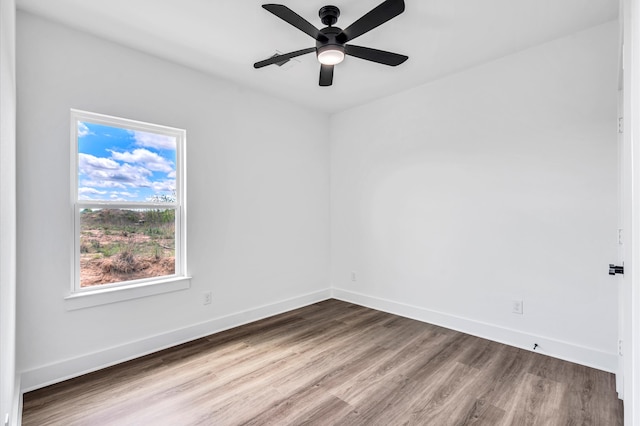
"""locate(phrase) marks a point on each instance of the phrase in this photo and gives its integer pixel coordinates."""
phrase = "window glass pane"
(126, 244)
(118, 164)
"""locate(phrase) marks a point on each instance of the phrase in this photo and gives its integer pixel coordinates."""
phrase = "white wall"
(8, 385)
(498, 183)
(258, 196)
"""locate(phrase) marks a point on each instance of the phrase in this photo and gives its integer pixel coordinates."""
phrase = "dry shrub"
(168, 264)
(105, 265)
(123, 263)
(105, 270)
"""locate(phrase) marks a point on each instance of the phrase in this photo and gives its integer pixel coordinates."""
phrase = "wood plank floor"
(334, 363)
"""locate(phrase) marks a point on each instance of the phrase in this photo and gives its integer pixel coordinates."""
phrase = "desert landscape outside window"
(128, 201)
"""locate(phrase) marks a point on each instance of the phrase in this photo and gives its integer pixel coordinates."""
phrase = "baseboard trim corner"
(548, 346)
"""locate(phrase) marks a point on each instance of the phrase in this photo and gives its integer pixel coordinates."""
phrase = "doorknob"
(615, 269)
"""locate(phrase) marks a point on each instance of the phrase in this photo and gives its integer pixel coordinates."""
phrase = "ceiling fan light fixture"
(331, 42)
(330, 54)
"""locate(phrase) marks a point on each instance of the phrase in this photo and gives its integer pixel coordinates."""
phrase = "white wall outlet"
(516, 307)
(354, 277)
(206, 298)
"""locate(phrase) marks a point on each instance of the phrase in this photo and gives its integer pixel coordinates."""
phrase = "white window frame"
(81, 297)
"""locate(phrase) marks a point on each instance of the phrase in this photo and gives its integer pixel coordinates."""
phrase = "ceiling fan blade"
(288, 15)
(326, 75)
(375, 17)
(284, 57)
(375, 55)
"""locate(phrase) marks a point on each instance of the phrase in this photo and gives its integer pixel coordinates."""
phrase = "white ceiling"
(225, 38)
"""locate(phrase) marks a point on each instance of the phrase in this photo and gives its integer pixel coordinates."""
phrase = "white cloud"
(87, 191)
(147, 159)
(171, 174)
(168, 185)
(83, 130)
(153, 140)
(90, 162)
(107, 173)
(101, 183)
(126, 194)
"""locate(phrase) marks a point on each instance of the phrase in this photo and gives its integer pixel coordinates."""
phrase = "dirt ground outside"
(119, 245)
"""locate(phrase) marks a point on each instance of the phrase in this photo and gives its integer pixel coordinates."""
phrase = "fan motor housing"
(331, 33)
(329, 15)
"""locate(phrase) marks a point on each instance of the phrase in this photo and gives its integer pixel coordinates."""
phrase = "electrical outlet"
(206, 298)
(620, 347)
(516, 307)
(354, 276)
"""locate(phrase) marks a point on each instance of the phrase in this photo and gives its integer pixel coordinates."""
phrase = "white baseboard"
(77, 366)
(547, 346)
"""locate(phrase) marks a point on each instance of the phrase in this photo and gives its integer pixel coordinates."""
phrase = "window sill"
(87, 299)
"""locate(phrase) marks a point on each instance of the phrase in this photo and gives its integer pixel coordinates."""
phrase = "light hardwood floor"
(334, 363)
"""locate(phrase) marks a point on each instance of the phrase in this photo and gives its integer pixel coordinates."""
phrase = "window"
(129, 202)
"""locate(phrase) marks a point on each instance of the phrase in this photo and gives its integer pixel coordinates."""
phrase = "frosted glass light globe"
(330, 55)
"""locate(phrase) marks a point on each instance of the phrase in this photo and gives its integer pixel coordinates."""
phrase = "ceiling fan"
(331, 42)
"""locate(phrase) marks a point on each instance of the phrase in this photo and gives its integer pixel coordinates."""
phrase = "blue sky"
(117, 164)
